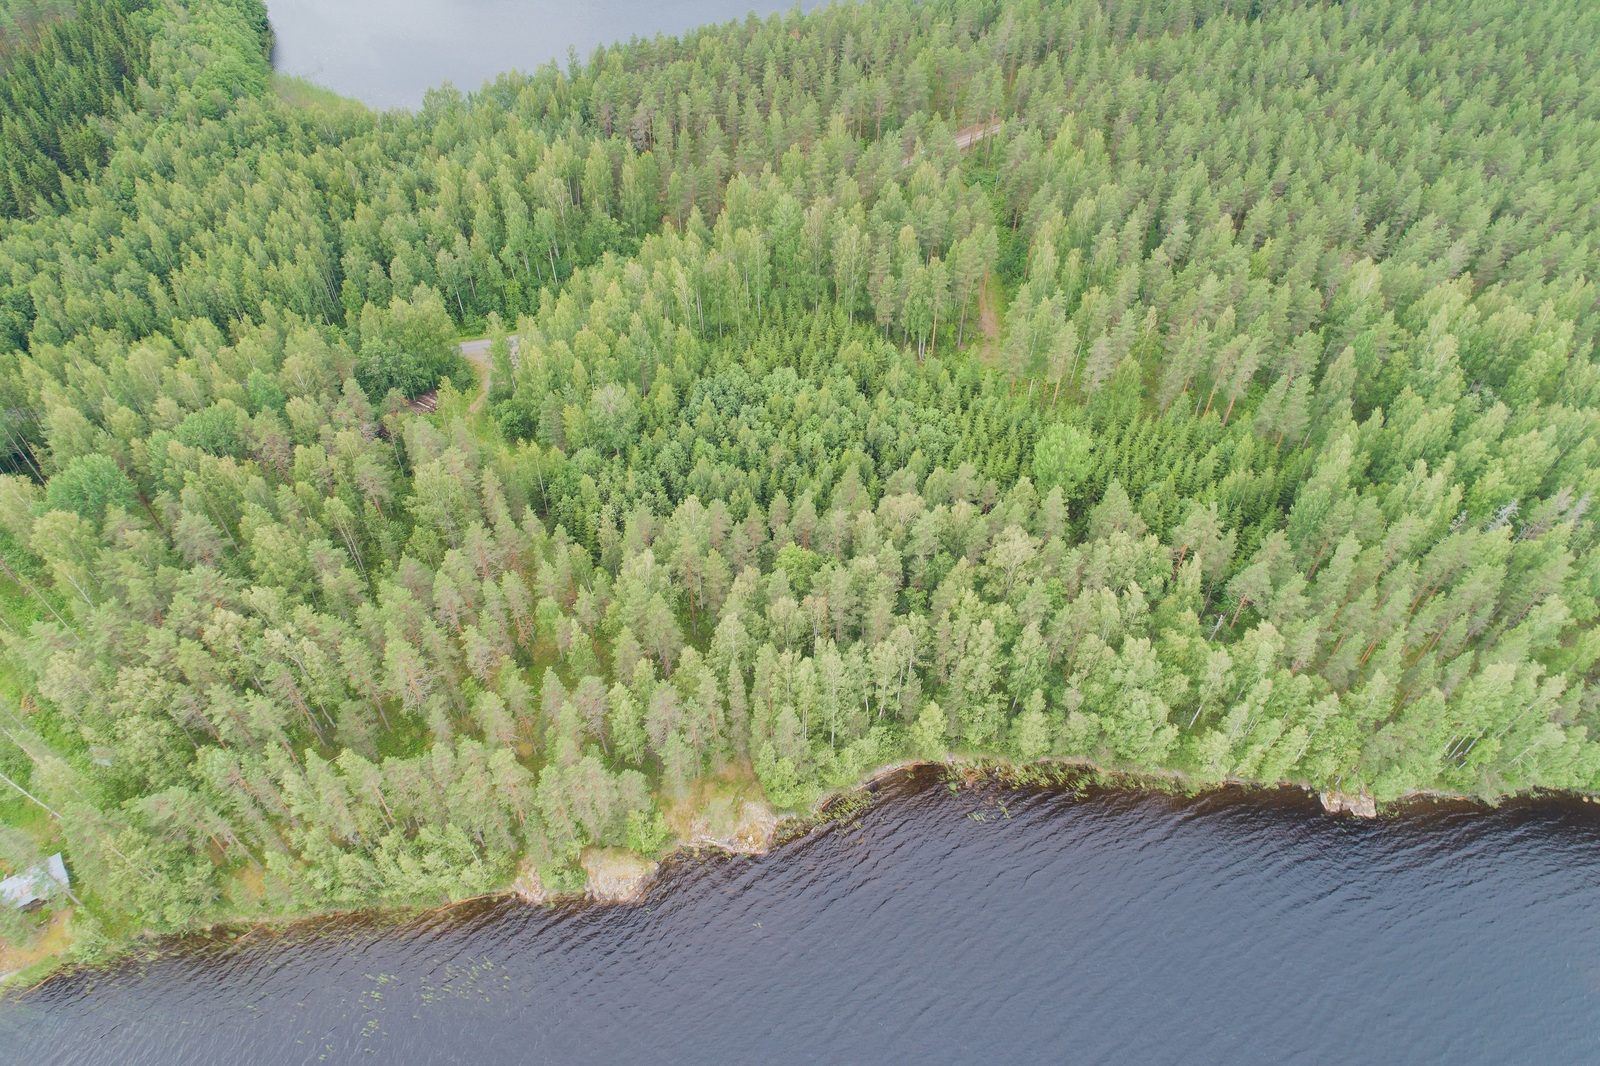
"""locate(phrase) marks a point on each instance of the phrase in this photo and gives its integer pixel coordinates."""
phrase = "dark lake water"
(988, 925)
(387, 53)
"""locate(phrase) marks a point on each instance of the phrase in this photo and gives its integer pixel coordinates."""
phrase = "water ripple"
(984, 925)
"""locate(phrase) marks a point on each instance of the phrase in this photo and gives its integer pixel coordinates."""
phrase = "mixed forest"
(1177, 385)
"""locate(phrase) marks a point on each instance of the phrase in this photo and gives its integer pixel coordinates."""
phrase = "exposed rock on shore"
(1359, 804)
(749, 832)
(527, 886)
(617, 875)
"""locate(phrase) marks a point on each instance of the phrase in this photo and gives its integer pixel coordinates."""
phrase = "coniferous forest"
(1177, 385)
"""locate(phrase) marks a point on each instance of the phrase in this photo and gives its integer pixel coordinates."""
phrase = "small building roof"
(35, 885)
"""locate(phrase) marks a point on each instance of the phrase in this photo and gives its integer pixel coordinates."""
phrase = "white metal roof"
(36, 884)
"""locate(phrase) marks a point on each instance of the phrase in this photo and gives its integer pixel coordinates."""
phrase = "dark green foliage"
(22, 20)
(60, 78)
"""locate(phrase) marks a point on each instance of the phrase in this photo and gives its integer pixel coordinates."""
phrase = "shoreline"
(604, 889)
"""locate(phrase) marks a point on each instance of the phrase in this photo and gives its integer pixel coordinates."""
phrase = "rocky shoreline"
(1359, 803)
(619, 877)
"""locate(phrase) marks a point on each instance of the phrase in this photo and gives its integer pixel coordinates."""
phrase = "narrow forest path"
(973, 134)
(476, 352)
(988, 316)
(968, 136)
(986, 347)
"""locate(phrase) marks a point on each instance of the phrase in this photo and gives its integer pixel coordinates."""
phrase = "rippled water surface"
(981, 926)
(389, 52)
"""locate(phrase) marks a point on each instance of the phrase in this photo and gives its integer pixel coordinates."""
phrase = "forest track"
(973, 134)
(988, 317)
(967, 137)
(985, 336)
(476, 352)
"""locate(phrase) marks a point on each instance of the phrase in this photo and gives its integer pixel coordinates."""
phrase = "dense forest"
(60, 78)
(1171, 384)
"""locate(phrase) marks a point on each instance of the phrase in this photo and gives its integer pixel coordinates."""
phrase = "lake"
(981, 925)
(387, 53)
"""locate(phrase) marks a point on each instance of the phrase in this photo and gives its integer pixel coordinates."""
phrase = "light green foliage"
(87, 486)
(1064, 458)
(215, 430)
(90, 945)
(647, 832)
(929, 733)
(226, 39)
(407, 345)
(1031, 734)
